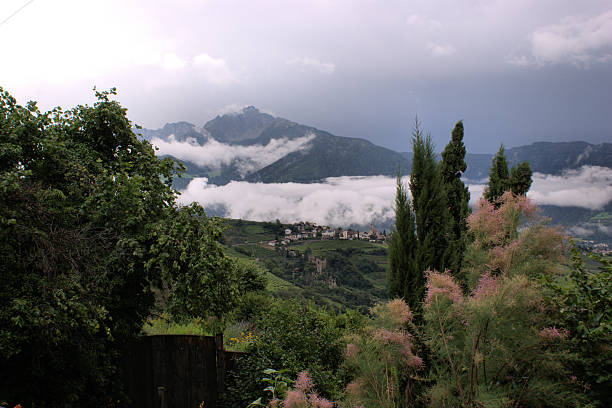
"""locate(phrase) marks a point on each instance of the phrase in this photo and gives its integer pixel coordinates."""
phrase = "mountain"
(332, 156)
(314, 155)
(269, 149)
(554, 158)
(241, 126)
(543, 157)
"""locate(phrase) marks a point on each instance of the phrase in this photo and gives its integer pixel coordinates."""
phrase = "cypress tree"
(452, 167)
(429, 203)
(499, 179)
(402, 245)
(520, 178)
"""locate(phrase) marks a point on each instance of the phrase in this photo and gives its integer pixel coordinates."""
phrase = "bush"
(499, 341)
(381, 359)
(291, 336)
(501, 344)
(583, 300)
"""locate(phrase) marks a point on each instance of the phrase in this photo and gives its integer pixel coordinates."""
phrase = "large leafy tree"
(402, 247)
(89, 225)
(452, 167)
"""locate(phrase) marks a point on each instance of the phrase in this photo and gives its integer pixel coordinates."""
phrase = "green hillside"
(354, 272)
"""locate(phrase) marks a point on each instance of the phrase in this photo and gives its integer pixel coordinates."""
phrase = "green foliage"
(204, 281)
(440, 207)
(500, 345)
(584, 301)
(380, 358)
(89, 227)
(278, 386)
(452, 167)
(499, 178)
(301, 394)
(403, 275)
(431, 213)
(291, 336)
(164, 324)
(520, 178)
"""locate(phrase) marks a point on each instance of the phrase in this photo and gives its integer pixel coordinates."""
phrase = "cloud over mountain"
(214, 154)
(587, 187)
(337, 201)
(342, 201)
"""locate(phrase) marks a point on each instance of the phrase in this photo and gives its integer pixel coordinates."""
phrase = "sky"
(515, 71)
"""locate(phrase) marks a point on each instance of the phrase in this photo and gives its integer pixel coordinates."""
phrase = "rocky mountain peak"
(238, 127)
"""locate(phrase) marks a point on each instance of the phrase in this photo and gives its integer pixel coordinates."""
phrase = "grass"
(232, 253)
(333, 244)
(276, 283)
(236, 337)
(241, 232)
(164, 325)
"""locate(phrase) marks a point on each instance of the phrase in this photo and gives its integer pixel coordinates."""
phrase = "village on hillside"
(310, 230)
(590, 246)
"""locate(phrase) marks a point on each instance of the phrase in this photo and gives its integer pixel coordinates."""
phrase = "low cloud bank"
(588, 187)
(214, 154)
(588, 229)
(339, 201)
(344, 201)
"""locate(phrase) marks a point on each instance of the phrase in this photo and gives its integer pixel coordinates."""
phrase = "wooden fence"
(176, 371)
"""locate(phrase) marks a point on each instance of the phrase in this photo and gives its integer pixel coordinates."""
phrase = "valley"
(334, 272)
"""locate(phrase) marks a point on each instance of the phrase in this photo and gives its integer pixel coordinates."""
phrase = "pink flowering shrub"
(351, 350)
(502, 258)
(303, 382)
(501, 247)
(493, 226)
(487, 285)
(500, 343)
(398, 311)
(382, 359)
(553, 333)
(442, 285)
(303, 395)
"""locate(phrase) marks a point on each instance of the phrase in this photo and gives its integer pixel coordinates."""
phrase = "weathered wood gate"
(176, 371)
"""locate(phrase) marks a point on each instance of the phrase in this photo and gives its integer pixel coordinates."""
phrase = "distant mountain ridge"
(543, 157)
(328, 155)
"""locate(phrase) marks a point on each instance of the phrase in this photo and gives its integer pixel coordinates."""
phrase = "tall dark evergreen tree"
(429, 203)
(402, 245)
(452, 167)
(499, 178)
(520, 178)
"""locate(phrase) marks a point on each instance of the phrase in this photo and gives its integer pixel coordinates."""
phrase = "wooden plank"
(174, 371)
